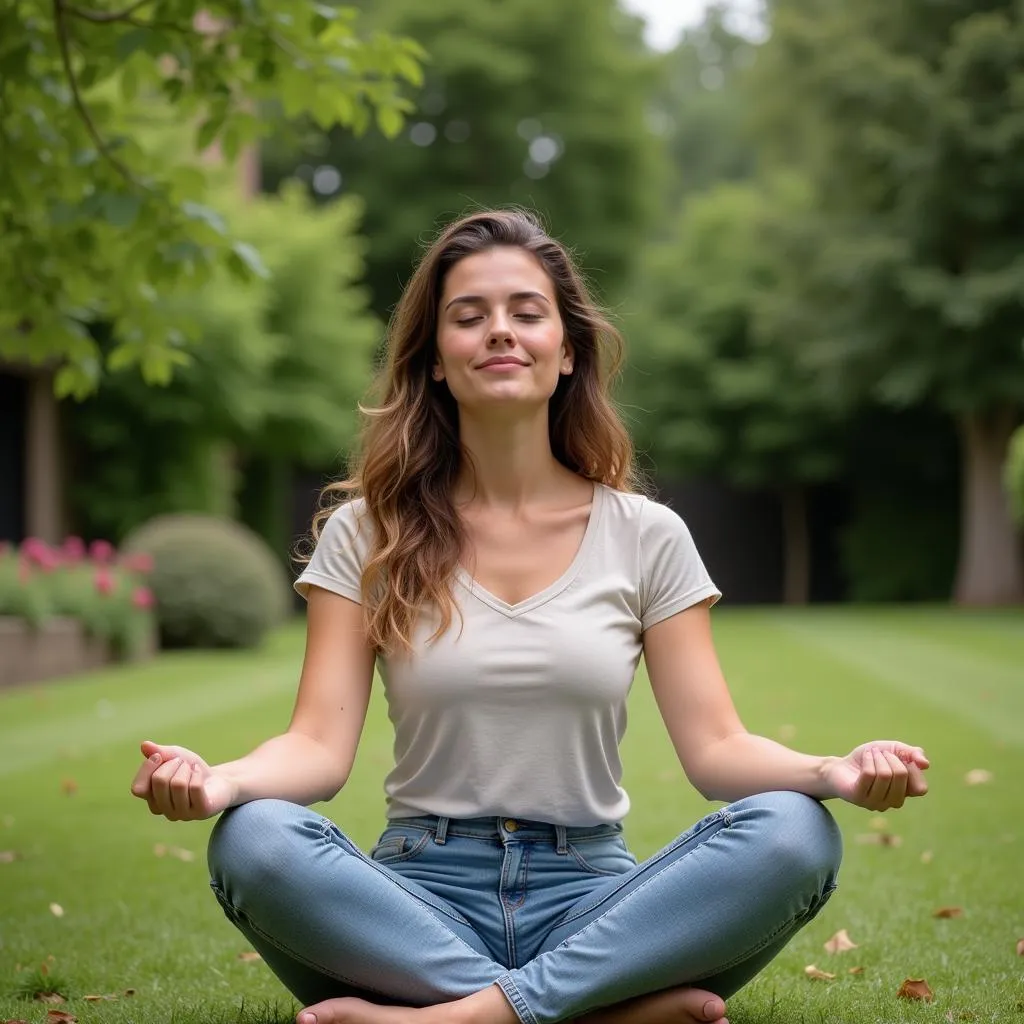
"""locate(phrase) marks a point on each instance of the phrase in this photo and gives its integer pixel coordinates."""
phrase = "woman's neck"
(510, 463)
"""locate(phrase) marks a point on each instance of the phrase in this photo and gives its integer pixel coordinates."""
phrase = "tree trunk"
(796, 546)
(990, 569)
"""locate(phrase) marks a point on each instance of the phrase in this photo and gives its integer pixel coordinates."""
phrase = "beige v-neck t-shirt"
(520, 712)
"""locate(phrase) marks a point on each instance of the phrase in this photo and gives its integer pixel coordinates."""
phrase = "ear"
(437, 373)
(567, 358)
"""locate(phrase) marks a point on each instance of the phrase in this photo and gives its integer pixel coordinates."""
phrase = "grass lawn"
(823, 680)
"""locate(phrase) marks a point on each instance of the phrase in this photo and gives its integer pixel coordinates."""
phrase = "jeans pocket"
(394, 846)
(607, 857)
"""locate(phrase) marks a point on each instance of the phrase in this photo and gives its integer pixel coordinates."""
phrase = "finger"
(898, 787)
(883, 779)
(141, 782)
(197, 789)
(160, 785)
(917, 785)
(179, 788)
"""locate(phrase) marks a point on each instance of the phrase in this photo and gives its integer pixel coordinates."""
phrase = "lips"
(502, 361)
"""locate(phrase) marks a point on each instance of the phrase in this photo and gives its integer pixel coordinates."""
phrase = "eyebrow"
(468, 299)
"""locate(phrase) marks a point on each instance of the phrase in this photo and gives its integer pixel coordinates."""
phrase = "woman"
(496, 566)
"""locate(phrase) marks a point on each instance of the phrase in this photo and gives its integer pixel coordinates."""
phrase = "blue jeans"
(563, 919)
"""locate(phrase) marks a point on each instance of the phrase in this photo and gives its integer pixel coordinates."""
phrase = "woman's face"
(500, 337)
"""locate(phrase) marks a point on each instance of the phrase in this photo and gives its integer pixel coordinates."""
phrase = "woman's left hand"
(879, 775)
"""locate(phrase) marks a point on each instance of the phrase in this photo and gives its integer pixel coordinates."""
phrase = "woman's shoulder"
(645, 514)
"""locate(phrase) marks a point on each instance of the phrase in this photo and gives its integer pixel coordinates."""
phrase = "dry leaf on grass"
(60, 1017)
(878, 823)
(1020, 947)
(840, 942)
(173, 851)
(947, 912)
(855, 970)
(129, 991)
(879, 839)
(69, 787)
(8, 856)
(101, 999)
(816, 974)
(977, 777)
(249, 955)
(57, 910)
(926, 857)
(14, 1022)
(54, 998)
(915, 988)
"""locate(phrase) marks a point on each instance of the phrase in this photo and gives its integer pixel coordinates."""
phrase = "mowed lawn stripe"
(982, 686)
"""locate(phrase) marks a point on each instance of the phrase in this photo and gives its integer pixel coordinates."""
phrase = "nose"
(501, 329)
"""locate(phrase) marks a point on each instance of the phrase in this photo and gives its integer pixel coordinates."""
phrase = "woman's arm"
(725, 762)
(309, 762)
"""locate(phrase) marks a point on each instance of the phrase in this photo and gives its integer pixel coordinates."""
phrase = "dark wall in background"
(13, 398)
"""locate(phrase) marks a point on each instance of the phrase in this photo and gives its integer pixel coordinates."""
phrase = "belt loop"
(562, 846)
(441, 833)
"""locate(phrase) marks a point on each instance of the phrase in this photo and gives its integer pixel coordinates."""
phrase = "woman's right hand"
(180, 785)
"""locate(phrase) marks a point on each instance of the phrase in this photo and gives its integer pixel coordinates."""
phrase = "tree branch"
(106, 17)
(83, 110)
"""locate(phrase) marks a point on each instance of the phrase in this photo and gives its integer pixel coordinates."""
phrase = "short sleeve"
(673, 576)
(337, 561)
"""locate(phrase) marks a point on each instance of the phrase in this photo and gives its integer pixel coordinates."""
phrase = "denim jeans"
(563, 919)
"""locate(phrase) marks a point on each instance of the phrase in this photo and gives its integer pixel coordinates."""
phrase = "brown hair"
(409, 457)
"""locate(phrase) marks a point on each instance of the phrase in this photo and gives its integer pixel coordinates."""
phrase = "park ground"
(99, 898)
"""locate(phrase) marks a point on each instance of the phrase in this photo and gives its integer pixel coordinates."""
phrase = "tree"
(720, 395)
(525, 101)
(94, 227)
(906, 118)
(274, 385)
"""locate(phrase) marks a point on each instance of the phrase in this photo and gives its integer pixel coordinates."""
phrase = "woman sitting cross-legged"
(491, 558)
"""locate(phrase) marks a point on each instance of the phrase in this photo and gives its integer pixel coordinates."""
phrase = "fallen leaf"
(49, 997)
(69, 787)
(880, 839)
(926, 857)
(249, 955)
(185, 855)
(1020, 947)
(60, 1017)
(15, 1022)
(101, 999)
(8, 856)
(129, 991)
(160, 850)
(855, 970)
(947, 912)
(878, 823)
(977, 777)
(43, 969)
(915, 988)
(840, 943)
(815, 974)
(960, 1015)
(57, 910)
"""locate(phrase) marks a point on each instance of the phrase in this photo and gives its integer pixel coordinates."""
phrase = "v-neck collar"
(552, 590)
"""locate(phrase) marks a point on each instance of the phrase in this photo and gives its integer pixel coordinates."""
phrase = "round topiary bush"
(215, 582)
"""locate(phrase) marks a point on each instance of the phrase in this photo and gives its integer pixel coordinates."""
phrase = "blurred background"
(807, 218)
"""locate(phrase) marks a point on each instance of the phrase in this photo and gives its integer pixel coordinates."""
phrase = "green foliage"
(216, 583)
(282, 364)
(567, 81)
(718, 393)
(1014, 476)
(97, 228)
(106, 594)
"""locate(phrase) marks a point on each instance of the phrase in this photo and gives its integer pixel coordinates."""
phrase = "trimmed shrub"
(216, 583)
(1014, 476)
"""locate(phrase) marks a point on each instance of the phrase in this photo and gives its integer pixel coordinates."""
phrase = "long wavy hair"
(409, 457)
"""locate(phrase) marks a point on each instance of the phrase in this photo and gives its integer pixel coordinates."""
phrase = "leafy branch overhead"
(102, 192)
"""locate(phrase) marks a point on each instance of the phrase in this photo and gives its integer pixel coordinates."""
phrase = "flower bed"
(70, 608)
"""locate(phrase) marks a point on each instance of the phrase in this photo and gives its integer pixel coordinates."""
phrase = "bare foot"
(357, 1011)
(673, 1006)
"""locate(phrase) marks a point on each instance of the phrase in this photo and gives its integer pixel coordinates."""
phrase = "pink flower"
(142, 597)
(140, 562)
(35, 550)
(74, 549)
(104, 581)
(101, 551)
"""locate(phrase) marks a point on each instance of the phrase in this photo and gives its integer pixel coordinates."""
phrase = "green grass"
(829, 679)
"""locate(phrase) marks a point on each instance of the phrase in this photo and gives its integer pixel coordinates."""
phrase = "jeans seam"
(625, 899)
(241, 915)
(723, 816)
(586, 866)
(329, 830)
(516, 1001)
